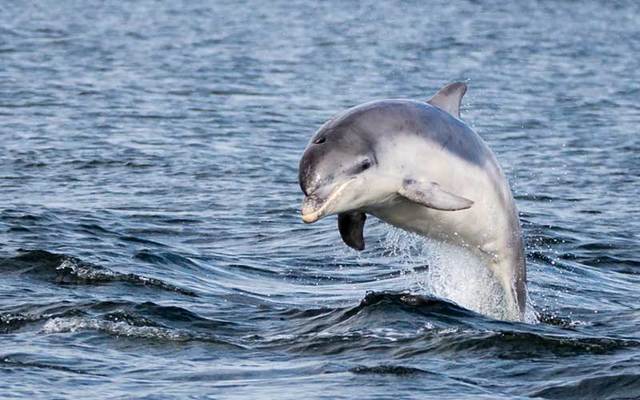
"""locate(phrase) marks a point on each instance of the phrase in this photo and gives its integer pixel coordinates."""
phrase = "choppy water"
(151, 244)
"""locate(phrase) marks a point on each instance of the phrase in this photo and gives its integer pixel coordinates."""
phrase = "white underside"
(489, 229)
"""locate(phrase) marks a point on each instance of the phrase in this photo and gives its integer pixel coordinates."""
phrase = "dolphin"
(417, 166)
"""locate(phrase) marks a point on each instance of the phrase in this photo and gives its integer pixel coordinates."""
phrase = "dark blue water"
(150, 238)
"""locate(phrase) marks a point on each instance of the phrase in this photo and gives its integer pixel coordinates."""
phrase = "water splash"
(453, 273)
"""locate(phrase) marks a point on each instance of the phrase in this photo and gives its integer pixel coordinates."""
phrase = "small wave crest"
(138, 321)
(381, 319)
(122, 327)
(115, 328)
(10, 322)
(407, 325)
(64, 269)
(168, 322)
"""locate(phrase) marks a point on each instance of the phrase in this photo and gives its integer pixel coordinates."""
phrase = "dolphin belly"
(498, 249)
(490, 229)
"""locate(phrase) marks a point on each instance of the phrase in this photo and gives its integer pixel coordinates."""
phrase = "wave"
(25, 361)
(10, 322)
(382, 320)
(135, 314)
(146, 320)
(406, 325)
(622, 386)
(69, 270)
(123, 327)
(401, 323)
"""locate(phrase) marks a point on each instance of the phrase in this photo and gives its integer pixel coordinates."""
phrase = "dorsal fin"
(449, 98)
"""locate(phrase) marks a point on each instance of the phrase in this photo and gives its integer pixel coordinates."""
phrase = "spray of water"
(453, 273)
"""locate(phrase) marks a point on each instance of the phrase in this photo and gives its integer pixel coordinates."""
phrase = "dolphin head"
(336, 168)
(355, 161)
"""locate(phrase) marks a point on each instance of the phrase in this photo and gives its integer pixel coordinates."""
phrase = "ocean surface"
(151, 244)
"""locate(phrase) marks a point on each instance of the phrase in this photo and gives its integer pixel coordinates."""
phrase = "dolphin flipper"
(430, 194)
(449, 98)
(351, 226)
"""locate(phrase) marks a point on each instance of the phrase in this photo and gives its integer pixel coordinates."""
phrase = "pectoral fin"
(351, 226)
(430, 194)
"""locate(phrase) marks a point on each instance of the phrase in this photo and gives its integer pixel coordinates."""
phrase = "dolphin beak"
(311, 209)
(311, 217)
(315, 206)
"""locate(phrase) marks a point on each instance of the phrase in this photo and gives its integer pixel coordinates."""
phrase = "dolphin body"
(417, 166)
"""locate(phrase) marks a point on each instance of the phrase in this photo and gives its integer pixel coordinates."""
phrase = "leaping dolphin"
(417, 166)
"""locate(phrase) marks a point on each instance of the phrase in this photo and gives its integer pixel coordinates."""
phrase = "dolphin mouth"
(315, 206)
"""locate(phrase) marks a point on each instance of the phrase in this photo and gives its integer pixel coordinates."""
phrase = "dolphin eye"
(366, 164)
(360, 167)
(320, 140)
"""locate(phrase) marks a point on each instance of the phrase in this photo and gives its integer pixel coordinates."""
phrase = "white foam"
(115, 328)
(84, 272)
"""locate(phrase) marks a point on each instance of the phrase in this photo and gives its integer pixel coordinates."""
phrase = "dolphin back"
(387, 118)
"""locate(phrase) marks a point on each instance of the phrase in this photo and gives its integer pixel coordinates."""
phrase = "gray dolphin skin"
(417, 166)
